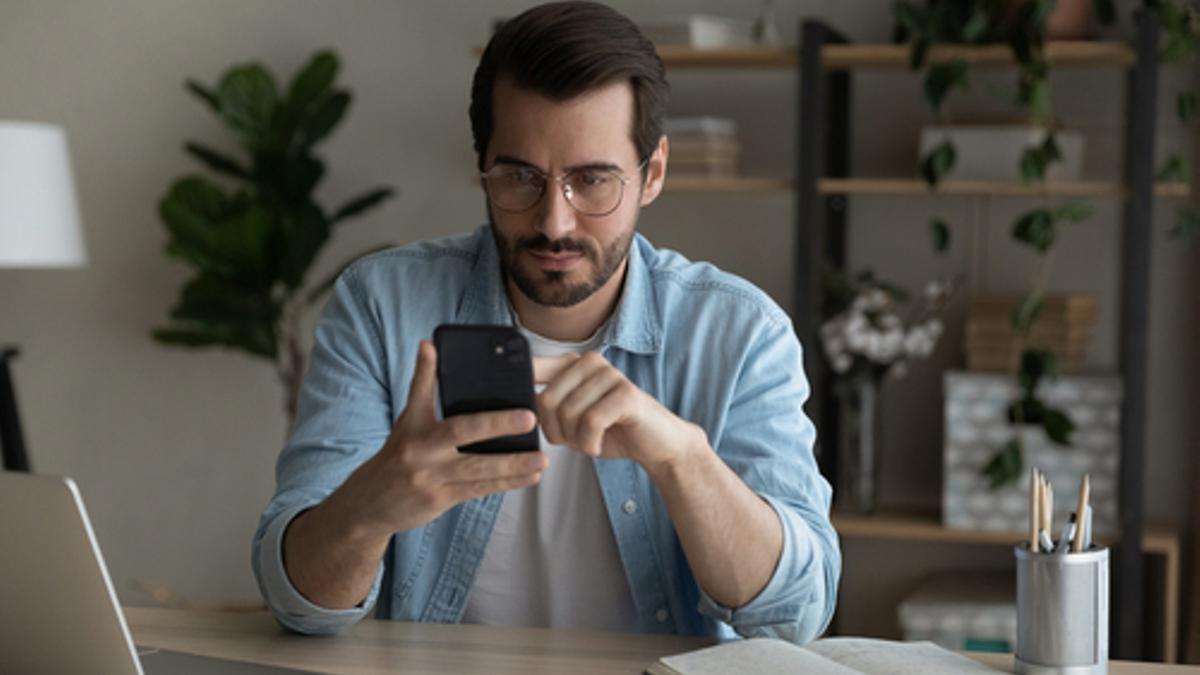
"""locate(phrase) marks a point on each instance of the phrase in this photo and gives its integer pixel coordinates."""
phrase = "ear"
(656, 172)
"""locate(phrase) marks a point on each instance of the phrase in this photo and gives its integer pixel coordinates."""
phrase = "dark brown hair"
(563, 49)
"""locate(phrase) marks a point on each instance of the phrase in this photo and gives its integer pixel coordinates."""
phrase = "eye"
(592, 179)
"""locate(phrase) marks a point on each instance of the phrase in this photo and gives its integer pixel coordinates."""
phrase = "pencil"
(1035, 499)
(1048, 509)
(1081, 511)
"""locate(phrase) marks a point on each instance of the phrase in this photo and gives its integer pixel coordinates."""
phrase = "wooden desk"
(394, 647)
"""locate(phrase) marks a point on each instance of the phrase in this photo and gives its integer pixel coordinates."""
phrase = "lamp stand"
(12, 444)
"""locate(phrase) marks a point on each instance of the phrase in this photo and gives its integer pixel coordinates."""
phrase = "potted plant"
(251, 231)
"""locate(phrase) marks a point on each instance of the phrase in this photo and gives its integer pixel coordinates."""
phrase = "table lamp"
(39, 227)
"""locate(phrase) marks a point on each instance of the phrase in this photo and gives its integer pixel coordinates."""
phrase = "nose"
(555, 217)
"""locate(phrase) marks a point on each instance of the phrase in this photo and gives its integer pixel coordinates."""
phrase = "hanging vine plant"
(1022, 26)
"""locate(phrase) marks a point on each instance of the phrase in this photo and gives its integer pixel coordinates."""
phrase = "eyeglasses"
(590, 191)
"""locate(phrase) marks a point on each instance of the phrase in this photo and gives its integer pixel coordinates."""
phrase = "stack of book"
(703, 146)
(1063, 326)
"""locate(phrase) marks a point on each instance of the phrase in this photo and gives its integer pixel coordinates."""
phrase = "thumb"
(421, 396)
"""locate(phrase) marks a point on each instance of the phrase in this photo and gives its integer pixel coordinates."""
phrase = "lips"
(556, 262)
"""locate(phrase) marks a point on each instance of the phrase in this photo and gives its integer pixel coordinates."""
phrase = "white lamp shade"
(39, 214)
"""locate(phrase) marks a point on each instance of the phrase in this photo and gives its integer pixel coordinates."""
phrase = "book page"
(761, 656)
(887, 657)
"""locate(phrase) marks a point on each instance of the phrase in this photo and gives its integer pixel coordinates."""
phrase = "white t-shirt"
(552, 560)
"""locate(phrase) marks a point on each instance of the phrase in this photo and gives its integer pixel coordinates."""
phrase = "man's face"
(555, 255)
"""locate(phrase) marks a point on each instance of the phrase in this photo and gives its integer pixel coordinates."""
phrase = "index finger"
(546, 368)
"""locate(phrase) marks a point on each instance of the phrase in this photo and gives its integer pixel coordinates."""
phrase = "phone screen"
(482, 368)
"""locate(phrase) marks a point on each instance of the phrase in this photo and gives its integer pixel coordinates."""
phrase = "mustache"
(543, 244)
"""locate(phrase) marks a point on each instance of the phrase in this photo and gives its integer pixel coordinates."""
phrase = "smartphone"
(483, 368)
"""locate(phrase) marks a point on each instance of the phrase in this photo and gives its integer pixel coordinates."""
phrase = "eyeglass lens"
(589, 191)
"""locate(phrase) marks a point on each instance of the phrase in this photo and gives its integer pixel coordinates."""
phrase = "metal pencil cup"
(1062, 612)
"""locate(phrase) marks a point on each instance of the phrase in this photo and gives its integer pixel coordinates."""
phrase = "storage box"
(973, 611)
(993, 152)
(703, 146)
(1063, 326)
(977, 426)
(699, 31)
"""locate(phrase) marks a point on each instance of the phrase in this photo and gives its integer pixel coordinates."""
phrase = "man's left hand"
(591, 406)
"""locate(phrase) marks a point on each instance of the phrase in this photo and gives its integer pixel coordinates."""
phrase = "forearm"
(330, 557)
(731, 537)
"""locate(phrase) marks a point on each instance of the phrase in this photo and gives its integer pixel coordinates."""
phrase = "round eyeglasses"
(590, 191)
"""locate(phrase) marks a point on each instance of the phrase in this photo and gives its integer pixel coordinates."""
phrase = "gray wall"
(174, 450)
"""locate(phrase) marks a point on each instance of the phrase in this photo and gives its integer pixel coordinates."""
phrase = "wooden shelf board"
(752, 57)
(1082, 53)
(913, 186)
(726, 184)
(1158, 539)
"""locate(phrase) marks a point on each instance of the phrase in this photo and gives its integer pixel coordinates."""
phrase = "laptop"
(58, 610)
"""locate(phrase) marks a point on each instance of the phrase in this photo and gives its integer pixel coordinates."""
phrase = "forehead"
(594, 126)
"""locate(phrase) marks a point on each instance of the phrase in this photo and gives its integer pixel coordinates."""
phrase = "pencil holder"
(1062, 612)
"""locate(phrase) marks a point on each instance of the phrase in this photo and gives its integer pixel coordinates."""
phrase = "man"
(676, 489)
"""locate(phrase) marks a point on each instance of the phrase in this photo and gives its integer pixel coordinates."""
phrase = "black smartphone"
(483, 368)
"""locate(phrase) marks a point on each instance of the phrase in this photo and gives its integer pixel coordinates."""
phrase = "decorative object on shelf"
(765, 30)
(978, 418)
(703, 146)
(39, 228)
(990, 151)
(1063, 329)
(866, 340)
(251, 247)
(962, 611)
(699, 31)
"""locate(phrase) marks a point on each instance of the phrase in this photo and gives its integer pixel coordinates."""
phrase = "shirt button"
(629, 506)
(662, 615)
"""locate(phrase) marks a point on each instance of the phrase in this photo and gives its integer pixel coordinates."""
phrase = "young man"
(675, 490)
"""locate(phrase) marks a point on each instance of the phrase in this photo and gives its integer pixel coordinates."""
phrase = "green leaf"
(190, 211)
(301, 237)
(1175, 170)
(1185, 105)
(360, 204)
(1036, 229)
(1036, 364)
(1187, 227)
(212, 300)
(920, 51)
(938, 162)
(941, 78)
(1033, 164)
(1106, 11)
(203, 93)
(939, 232)
(1025, 313)
(216, 161)
(977, 26)
(325, 115)
(326, 284)
(247, 103)
(1005, 466)
(1057, 425)
(313, 82)
(300, 177)
(1073, 212)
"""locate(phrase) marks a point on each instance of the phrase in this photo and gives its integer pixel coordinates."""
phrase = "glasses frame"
(566, 188)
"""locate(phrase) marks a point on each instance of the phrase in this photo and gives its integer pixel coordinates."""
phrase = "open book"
(831, 656)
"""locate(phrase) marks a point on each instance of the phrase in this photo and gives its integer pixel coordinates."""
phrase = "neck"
(569, 324)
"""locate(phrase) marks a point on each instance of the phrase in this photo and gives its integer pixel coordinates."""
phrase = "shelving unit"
(824, 62)
(823, 180)
(1157, 540)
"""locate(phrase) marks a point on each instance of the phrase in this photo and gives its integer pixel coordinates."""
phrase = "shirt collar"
(634, 326)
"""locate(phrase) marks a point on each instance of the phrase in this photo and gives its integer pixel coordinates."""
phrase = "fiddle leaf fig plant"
(251, 229)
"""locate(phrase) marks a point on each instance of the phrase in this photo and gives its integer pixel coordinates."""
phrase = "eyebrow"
(589, 166)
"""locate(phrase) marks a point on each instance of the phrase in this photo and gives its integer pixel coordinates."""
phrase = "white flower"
(899, 370)
(876, 299)
(890, 322)
(841, 363)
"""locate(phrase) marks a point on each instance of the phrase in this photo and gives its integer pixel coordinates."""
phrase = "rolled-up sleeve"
(768, 441)
(343, 418)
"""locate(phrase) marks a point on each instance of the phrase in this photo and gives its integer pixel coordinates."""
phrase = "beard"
(551, 288)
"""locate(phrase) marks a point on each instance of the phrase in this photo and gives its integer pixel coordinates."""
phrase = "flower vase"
(858, 461)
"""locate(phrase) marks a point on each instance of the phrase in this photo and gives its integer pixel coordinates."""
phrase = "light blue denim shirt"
(711, 347)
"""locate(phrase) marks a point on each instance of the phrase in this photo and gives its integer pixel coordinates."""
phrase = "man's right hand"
(420, 473)
(332, 551)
